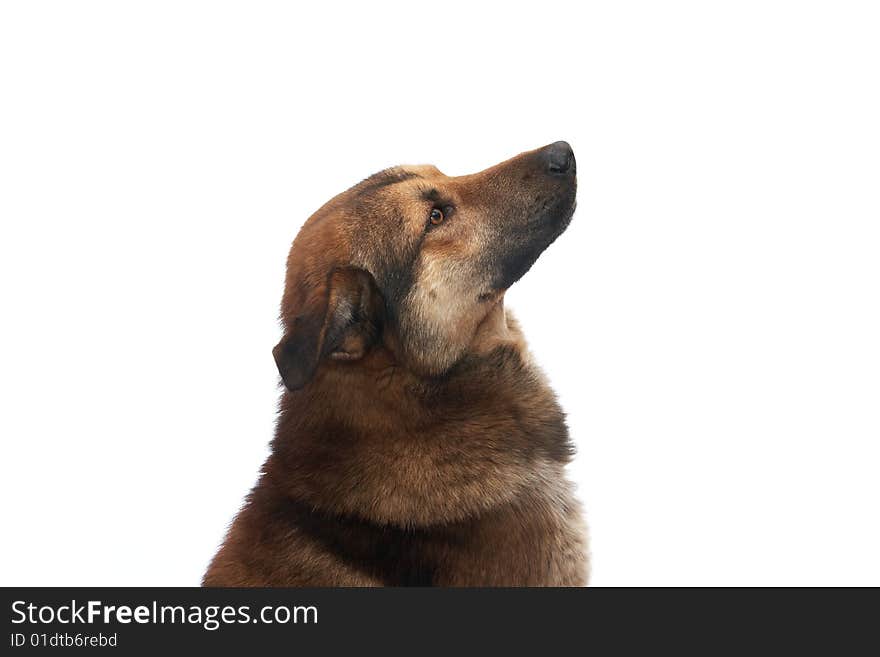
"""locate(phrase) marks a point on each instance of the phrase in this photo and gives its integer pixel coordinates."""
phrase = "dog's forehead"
(423, 170)
(393, 182)
(419, 177)
(424, 183)
(401, 189)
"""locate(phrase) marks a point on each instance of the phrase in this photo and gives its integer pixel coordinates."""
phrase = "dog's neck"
(496, 330)
(374, 438)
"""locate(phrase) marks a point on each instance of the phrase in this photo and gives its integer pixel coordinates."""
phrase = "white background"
(710, 320)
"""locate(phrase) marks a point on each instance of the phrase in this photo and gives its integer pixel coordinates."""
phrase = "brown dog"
(416, 443)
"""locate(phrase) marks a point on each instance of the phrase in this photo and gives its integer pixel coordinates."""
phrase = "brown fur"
(416, 442)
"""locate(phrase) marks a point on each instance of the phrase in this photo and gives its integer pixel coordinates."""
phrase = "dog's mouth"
(553, 209)
(545, 224)
(562, 216)
(537, 214)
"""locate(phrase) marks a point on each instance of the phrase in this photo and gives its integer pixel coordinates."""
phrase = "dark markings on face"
(398, 279)
(432, 195)
(393, 270)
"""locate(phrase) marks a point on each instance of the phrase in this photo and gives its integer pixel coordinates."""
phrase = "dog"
(416, 443)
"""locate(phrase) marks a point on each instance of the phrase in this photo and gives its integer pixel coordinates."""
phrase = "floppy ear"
(340, 321)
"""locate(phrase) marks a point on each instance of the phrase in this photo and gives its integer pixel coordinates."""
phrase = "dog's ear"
(340, 321)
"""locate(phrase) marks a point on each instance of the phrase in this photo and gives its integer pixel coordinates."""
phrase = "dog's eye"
(437, 216)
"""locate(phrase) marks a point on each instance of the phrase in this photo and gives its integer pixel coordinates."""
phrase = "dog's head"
(415, 260)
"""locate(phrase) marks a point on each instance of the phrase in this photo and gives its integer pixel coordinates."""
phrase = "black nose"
(559, 158)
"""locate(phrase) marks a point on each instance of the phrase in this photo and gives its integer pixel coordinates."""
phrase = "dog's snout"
(559, 159)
